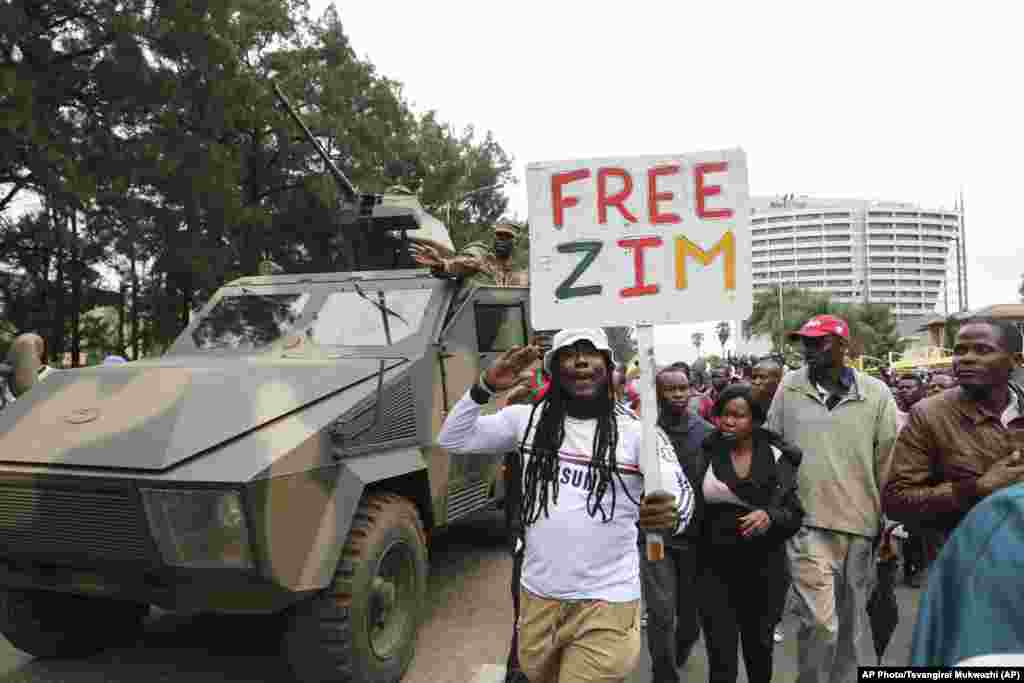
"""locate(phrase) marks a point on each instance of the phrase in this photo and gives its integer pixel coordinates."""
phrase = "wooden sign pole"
(649, 417)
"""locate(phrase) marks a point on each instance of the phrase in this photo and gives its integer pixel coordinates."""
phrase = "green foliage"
(951, 329)
(876, 330)
(152, 127)
(872, 326)
(98, 330)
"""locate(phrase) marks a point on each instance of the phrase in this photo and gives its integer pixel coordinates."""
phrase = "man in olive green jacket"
(845, 422)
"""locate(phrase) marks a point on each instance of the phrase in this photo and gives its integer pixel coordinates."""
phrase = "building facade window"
(903, 252)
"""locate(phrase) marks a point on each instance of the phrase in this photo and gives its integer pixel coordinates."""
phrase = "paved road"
(464, 638)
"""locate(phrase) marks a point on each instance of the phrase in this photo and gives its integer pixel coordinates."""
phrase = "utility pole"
(782, 318)
(963, 248)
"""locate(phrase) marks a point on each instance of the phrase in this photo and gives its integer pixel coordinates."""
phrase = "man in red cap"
(845, 422)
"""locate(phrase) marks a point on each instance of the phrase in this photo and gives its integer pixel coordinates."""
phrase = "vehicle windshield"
(362, 316)
(250, 322)
(369, 318)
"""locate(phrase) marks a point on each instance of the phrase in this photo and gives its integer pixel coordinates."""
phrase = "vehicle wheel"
(363, 627)
(46, 624)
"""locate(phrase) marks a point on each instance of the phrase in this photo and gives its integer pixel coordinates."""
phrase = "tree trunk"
(121, 350)
(77, 272)
(57, 341)
(135, 298)
(186, 303)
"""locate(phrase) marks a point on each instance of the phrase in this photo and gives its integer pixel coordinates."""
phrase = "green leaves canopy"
(872, 326)
(152, 124)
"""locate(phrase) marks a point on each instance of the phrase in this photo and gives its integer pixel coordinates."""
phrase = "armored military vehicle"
(281, 457)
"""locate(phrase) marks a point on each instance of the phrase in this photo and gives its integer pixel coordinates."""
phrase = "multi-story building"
(894, 253)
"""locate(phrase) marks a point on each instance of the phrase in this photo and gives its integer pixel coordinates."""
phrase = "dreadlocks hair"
(540, 475)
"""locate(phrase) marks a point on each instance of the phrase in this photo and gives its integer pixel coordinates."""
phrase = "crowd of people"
(784, 482)
(775, 489)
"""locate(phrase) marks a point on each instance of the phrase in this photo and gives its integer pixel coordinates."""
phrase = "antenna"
(963, 245)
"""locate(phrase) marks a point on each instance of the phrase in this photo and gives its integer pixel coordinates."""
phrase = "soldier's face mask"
(503, 246)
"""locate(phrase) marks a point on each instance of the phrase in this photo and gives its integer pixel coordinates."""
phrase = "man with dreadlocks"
(583, 481)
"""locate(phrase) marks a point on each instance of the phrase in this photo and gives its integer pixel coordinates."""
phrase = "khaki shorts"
(575, 641)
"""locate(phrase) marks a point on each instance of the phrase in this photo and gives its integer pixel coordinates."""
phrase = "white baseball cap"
(566, 338)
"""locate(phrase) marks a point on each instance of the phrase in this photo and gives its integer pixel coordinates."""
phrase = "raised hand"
(505, 371)
(519, 394)
(428, 256)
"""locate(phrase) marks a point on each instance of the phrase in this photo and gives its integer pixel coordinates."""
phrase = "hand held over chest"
(754, 523)
(1002, 473)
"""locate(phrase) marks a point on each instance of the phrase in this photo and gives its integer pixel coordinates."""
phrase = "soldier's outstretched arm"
(462, 266)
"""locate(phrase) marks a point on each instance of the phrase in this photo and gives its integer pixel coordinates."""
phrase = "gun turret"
(385, 218)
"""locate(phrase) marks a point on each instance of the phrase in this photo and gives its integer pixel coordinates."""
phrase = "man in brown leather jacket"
(965, 443)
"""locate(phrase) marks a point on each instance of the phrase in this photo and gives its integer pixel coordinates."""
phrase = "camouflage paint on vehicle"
(301, 429)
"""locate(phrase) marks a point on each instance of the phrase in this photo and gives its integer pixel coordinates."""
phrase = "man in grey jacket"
(846, 423)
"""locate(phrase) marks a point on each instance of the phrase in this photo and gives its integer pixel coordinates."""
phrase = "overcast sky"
(906, 101)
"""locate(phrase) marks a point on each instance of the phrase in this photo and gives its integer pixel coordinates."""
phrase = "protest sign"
(651, 239)
(640, 241)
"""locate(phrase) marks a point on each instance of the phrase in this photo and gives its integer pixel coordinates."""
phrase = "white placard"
(651, 239)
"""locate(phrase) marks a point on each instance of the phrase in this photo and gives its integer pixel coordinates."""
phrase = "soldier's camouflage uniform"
(478, 263)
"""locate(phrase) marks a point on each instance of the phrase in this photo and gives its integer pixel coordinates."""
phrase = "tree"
(151, 134)
(875, 330)
(776, 319)
(99, 333)
(724, 331)
(872, 326)
(698, 341)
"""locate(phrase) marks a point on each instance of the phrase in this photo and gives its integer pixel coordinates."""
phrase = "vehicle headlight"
(196, 528)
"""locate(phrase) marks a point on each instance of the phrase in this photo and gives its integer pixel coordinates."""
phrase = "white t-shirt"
(569, 554)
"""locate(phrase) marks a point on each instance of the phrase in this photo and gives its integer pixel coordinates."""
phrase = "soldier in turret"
(482, 265)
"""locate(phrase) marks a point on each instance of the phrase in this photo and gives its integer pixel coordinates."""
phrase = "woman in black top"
(750, 509)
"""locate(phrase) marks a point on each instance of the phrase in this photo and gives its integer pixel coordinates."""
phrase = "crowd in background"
(789, 485)
(804, 480)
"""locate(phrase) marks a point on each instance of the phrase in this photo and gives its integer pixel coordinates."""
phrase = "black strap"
(480, 395)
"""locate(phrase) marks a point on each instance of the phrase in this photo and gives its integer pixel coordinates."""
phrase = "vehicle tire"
(363, 627)
(47, 624)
